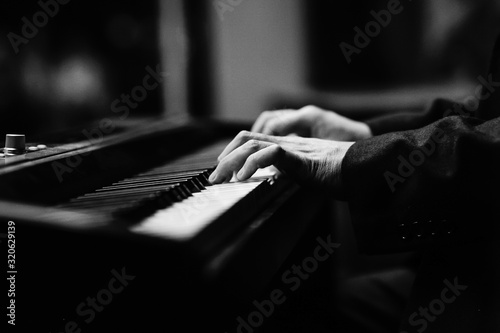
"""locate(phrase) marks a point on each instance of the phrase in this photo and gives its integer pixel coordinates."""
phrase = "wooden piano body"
(202, 281)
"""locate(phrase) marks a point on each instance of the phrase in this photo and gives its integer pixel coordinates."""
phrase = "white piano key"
(185, 219)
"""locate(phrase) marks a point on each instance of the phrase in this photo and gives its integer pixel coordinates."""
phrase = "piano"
(138, 205)
(118, 230)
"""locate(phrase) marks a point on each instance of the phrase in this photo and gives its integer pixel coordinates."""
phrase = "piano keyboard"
(176, 200)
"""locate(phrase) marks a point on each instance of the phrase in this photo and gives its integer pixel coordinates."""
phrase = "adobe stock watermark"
(416, 158)
(29, 29)
(407, 165)
(425, 315)
(223, 6)
(121, 107)
(88, 309)
(372, 29)
(293, 279)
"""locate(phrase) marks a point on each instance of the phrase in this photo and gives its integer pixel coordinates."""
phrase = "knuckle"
(253, 144)
(282, 113)
(309, 109)
(244, 134)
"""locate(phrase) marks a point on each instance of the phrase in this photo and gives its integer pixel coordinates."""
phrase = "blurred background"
(63, 64)
(234, 59)
(81, 56)
(290, 49)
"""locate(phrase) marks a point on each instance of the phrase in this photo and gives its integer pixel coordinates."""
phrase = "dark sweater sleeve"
(404, 121)
(426, 187)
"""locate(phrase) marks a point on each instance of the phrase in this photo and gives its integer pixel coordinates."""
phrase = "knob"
(15, 144)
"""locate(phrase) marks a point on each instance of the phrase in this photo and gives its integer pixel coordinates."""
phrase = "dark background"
(91, 52)
(400, 54)
(85, 57)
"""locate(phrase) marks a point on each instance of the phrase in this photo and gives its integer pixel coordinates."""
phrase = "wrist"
(343, 147)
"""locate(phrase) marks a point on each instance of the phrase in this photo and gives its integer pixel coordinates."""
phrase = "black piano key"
(201, 178)
(119, 196)
(199, 185)
(125, 193)
(144, 207)
(110, 200)
(157, 200)
(171, 168)
(137, 179)
(151, 190)
(145, 187)
(132, 191)
(184, 191)
(173, 194)
(144, 184)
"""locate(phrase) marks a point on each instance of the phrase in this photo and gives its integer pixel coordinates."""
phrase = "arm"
(441, 182)
(433, 186)
(452, 195)
(311, 121)
(404, 121)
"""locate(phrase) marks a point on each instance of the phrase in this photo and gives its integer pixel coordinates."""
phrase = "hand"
(312, 161)
(311, 121)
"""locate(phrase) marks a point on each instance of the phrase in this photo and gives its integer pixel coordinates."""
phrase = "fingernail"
(212, 177)
(239, 174)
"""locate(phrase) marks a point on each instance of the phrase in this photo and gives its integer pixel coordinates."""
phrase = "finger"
(235, 160)
(275, 155)
(262, 120)
(271, 126)
(265, 157)
(242, 138)
(285, 124)
(267, 116)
